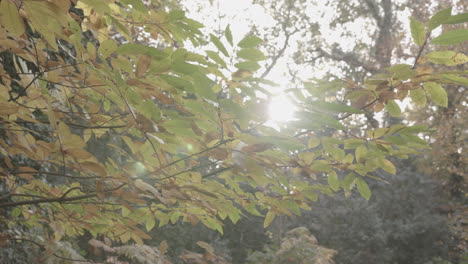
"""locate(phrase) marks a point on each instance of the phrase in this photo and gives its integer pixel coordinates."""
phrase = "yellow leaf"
(78, 153)
(8, 109)
(94, 167)
(10, 18)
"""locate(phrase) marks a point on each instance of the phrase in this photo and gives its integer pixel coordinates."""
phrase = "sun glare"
(281, 109)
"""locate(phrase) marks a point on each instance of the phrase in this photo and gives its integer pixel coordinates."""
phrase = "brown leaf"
(100, 190)
(384, 96)
(4, 240)
(408, 86)
(257, 147)
(219, 154)
(360, 101)
(196, 129)
(163, 246)
(143, 65)
(94, 168)
(378, 106)
(26, 172)
(78, 153)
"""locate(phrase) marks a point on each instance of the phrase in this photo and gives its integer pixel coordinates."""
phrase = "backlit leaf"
(249, 41)
(247, 65)
(439, 18)
(215, 57)
(251, 54)
(437, 94)
(417, 31)
(333, 181)
(363, 188)
(270, 216)
(218, 44)
(418, 96)
(457, 19)
(393, 108)
(228, 34)
(10, 18)
(449, 58)
(451, 37)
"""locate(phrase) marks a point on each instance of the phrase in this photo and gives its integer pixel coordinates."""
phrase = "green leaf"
(10, 18)
(219, 45)
(451, 37)
(387, 166)
(393, 108)
(175, 217)
(456, 79)
(247, 65)
(449, 58)
(249, 42)
(107, 47)
(150, 110)
(251, 54)
(177, 82)
(418, 96)
(439, 18)
(228, 34)
(348, 181)
(313, 142)
(270, 216)
(150, 223)
(417, 31)
(363, 188)
(436, 93)
(175, 15)
(457, 19)
(333, 181)
(360, 153)
(138, 49)
(402, 71)
(215, 57)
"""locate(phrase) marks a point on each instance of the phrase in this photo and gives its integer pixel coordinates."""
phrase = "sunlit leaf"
(393, 108)
(249, 41)
(418, 96)
(218, 44)
(457, 19)
(228, 34)
(449, 58)
(418, 31)
(363, 188)
(248, 65)
(439, 18)
(437, 94)
(451, 37)
(10, 18)
(333, 181)
(251, 54)
(269, 217)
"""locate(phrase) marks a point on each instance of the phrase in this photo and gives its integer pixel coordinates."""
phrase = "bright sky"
(242, 14)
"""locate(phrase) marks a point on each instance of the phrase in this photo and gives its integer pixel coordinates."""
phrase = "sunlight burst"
(281, 109)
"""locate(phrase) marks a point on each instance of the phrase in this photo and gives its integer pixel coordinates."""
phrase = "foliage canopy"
(110, 124)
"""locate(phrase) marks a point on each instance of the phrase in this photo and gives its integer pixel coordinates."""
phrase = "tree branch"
(57, 199)
(428, 34)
